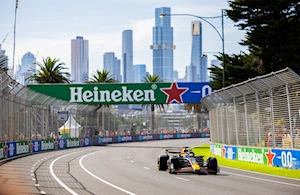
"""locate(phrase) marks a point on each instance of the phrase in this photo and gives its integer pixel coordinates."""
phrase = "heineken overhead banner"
(126, 93)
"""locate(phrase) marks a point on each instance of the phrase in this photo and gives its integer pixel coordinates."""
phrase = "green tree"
(238, 68)
(51, 71)
(152, 79)
(3, 62)
(272, 31)
(101, 77)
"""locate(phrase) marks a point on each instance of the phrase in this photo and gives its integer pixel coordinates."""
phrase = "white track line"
(147, 168)
(132, 161)
(100, 179)
(261, 173)
(182, 178)
(56, 178)
(257, 178)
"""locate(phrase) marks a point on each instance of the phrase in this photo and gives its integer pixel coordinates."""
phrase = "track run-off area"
(128, 168)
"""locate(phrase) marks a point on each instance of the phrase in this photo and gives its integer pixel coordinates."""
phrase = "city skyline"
(106, 35)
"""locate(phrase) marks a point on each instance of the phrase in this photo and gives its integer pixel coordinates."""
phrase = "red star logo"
(174, 93)
(223, 151)
(270, 156)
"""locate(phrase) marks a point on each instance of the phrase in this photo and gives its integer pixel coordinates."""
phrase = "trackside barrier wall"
(36, 146)
(278, 157)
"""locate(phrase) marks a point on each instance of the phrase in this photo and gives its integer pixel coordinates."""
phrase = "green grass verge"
(204, 150)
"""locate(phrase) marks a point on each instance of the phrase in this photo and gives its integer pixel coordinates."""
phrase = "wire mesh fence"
(25, 114)
(113, 121)
(263, 112)
(28, 115)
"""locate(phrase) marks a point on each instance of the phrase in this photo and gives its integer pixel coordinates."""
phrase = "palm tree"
(153, 79)
(101, 77)
(51, 71)
(3, 62)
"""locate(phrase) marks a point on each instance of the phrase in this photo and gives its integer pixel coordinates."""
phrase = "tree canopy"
(272, 38)
(51, 71)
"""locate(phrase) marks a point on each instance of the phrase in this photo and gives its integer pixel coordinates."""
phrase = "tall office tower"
(190, 73)
(163, 45)
(112, 64)
(196, 57)
(203, 69)
(79, 60)
(127, 56)
(118, 70)
(26, 69)
(175, 75)
(139, 71)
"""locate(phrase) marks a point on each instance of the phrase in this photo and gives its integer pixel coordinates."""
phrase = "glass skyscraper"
(127, 56)
(139, 72)
(196, 58)
(26, 69)
(112, 64)
(79, 60)
(163, 45)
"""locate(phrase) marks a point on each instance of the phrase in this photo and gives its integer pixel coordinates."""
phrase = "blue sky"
(46, 27)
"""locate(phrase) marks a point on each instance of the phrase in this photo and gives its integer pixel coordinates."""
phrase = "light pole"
(14, 48)
(221, 35)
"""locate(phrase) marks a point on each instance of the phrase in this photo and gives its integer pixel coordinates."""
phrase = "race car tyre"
(212, 164)
(162, 162)
(175, 162)
(171, 169)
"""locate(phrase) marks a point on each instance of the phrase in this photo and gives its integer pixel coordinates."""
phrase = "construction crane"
(4, 38)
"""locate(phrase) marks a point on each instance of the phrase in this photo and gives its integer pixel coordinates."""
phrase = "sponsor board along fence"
(14, 149)
(286, 158)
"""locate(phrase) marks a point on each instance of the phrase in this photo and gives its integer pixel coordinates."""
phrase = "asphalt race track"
(128, 168)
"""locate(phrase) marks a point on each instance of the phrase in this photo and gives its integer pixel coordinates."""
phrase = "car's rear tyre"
(162, 162)
(212, 164)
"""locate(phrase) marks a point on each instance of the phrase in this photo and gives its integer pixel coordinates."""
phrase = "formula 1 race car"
(185, 161)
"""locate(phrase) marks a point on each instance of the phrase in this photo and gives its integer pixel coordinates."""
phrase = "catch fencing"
(263, 112)
(28, 115)
(126, 122)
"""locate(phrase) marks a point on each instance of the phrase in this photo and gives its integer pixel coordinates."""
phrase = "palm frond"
(50, 71)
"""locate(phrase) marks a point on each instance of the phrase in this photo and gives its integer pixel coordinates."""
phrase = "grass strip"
(204, 150)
